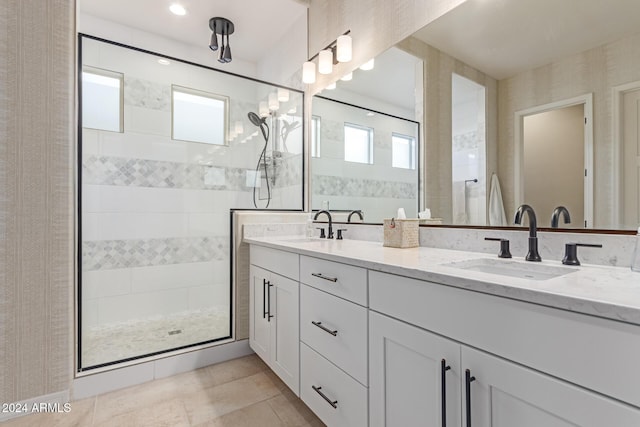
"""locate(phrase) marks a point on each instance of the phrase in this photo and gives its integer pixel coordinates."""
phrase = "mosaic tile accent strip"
(325, 185)
(111, 254)
(466, 141)
(119, 171)
(147, 94)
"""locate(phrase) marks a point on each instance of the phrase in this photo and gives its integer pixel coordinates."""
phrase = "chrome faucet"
(330, 231)
(555, 216)
(533, 254)
(358, 212)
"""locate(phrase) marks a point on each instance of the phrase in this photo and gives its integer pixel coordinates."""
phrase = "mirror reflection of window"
(102, 92)
(403, 151)
(358, 144)
(315, 136)
(198, 116)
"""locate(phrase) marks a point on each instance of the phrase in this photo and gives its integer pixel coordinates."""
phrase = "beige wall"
(594, 71)
(36, 202)
(375, 26)
(437, 132)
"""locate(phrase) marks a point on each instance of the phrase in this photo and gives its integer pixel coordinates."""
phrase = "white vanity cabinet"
(274, 307)
(406, 375)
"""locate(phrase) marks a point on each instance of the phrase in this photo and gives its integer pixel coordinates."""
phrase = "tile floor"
(238, 393)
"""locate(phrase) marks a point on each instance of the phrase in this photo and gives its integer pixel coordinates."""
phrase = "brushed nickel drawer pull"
(322, 276)
(333, 403)
(324, 328)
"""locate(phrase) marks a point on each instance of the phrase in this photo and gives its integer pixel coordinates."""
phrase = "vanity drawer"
(347, 395)
(281, 262)
(342, 280)
(348, 347)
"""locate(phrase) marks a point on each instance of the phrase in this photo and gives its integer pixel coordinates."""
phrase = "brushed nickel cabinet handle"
(324, 328)
(333, 403)
(322, 276)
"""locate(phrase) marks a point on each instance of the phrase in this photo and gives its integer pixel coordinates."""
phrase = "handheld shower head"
(255, 119)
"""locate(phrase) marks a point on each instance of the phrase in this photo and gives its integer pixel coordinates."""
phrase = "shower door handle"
(269, 315)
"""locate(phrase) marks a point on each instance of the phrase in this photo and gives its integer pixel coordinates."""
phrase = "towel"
(496, 208)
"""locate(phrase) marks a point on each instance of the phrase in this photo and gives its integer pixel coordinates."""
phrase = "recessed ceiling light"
(164, 61)
(178, 9)
(370, 114)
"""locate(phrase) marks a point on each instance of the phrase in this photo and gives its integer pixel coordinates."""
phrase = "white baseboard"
(53, 402)
(117, 378)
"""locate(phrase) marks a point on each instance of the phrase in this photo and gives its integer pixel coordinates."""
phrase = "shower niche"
(166, 150)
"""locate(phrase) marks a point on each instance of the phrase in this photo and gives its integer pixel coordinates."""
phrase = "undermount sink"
(509, 268)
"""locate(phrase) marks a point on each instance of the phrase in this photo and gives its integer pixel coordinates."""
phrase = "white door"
(631, 138)
(406, 373)
(259, 326)
(283, 306)
(503, 394)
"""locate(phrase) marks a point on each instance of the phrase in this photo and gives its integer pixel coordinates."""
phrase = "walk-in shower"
(166, 150)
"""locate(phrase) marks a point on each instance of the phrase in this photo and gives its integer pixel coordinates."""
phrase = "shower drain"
(175, 332)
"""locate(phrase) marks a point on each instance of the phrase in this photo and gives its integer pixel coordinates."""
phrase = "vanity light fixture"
(274, 105)
(163, 61)
(263, 109)
(340, 50)
(368, 65)
(225, 28)
(347, 77)
(177, 9)
(332, 86)
(283, 95)
(239, 127)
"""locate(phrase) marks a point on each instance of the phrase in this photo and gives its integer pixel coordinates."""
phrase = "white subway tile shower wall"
(156, 212)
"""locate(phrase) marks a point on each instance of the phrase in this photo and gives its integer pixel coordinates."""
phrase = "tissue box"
(401, 233)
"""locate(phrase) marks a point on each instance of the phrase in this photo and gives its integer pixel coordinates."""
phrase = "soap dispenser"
(635, 260)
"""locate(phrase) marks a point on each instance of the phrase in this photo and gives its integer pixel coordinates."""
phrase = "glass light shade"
(368, 65)
(263, 109)
(344, 52)
(283, 95)
(332, 86)
(292, 110)
(273, 101)
(239, 128)
(347, 77)
(325, 61)
(232, 134)
(309, 72)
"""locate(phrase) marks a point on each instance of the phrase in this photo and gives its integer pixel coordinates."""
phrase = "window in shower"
(403, 151)
(154, 213)
(102, 93)
(358, 144)
(198, 116)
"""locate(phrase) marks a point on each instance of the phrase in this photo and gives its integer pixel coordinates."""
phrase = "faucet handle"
(322, 235)
(340, 230)
(571, 252)
(504, 246)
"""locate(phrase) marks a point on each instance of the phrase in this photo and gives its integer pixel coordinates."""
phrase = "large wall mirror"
(531, 102)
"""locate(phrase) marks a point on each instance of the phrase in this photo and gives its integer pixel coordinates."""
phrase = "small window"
(358, 144)
(198, 116)
(315, 136)
(403, 151)
(102, 99)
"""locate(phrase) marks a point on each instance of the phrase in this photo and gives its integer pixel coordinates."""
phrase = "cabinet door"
(503, 394)
(259, 328)
(282, 293)
(406, 376)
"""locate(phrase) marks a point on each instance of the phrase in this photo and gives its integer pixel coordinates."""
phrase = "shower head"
(255, 119)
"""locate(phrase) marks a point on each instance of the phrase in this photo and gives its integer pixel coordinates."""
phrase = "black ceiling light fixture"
(224, 27)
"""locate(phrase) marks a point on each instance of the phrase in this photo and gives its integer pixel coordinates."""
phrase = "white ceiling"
(391, 81)
(504, 37)
(259, 24)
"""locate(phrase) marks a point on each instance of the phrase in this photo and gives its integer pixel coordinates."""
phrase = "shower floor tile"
(122, 340)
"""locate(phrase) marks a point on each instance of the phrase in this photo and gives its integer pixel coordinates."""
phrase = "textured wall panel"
(36, 203)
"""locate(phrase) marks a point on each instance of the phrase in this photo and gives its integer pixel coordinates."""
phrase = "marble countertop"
(603, 291)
